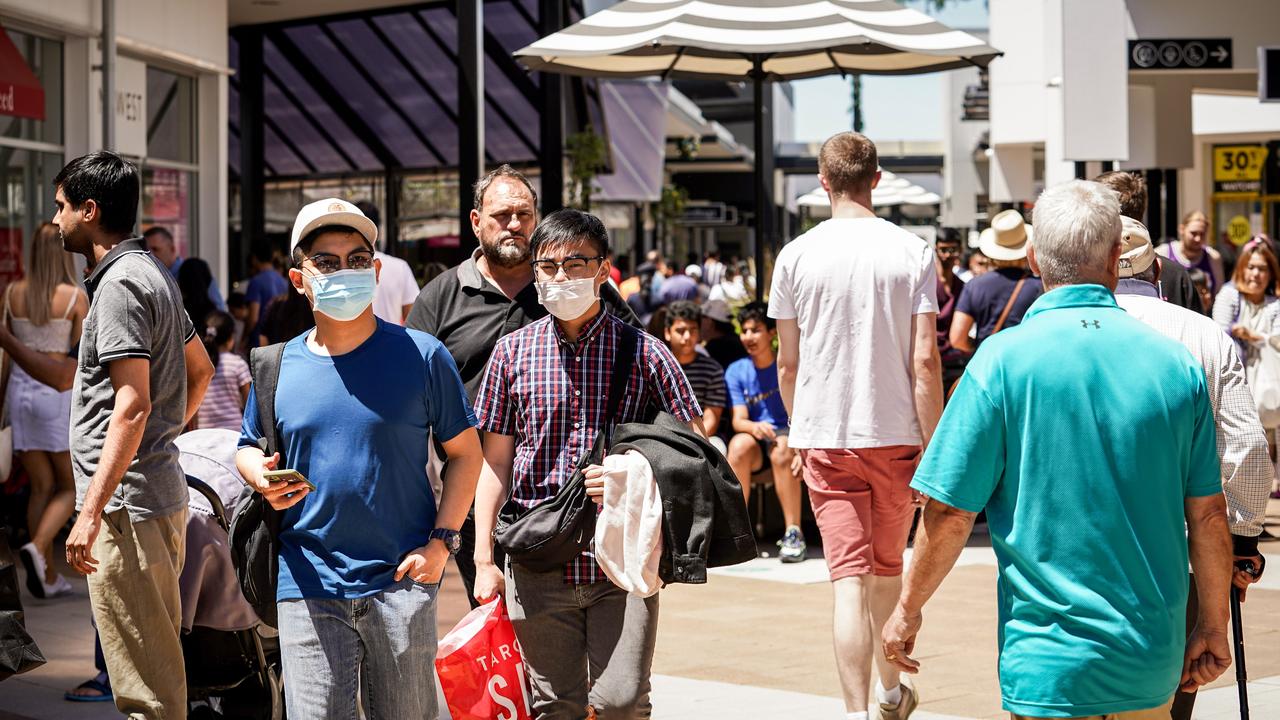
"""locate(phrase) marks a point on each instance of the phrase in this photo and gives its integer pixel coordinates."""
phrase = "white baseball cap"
(1136, 254)
(332, 211)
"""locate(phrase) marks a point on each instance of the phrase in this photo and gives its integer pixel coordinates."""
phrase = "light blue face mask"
(344, 294)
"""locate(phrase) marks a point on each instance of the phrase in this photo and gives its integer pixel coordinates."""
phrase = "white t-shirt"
(853, 286)
(397, 287)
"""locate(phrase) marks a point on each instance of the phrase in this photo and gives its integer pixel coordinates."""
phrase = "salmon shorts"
(862, 502)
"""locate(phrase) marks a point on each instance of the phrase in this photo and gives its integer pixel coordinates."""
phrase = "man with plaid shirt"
(587, 644)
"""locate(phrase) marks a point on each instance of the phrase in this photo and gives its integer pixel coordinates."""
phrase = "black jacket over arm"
(705, 521)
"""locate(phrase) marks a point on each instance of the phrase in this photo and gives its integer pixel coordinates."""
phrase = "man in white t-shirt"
(856, 303)
(397, 286)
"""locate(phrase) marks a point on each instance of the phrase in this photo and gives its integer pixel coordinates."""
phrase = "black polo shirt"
(468, 313)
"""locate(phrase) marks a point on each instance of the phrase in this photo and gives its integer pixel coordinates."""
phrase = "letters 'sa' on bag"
(480, 667)
(255, 528)
(18, 652)
(545, 537)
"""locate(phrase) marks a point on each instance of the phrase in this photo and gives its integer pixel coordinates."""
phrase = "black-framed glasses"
(328, 263)
(575, 266)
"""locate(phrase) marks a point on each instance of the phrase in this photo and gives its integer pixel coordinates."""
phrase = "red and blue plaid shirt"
(551, 396)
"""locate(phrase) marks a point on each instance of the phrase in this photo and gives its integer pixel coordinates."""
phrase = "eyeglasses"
(328, 263)
(575, 266)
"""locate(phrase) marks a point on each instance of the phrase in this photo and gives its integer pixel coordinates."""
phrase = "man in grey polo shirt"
(142, 374)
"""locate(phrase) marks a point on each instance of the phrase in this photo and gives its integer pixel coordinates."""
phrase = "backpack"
(255, 528)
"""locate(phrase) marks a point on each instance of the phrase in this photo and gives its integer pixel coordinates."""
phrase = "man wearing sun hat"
(997, 300)
(1247, 472)
(361, 554)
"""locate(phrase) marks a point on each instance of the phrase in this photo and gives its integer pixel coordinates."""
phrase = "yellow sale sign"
(1238, 162)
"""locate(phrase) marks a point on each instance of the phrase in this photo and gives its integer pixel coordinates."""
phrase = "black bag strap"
(622, 364)
(264, 366)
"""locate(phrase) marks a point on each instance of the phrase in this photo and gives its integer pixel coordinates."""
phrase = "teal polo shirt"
(1081, 431)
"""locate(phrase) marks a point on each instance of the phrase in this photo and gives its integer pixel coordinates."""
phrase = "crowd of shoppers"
(489, 384)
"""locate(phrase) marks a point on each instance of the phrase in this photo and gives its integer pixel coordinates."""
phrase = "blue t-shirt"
(1081, 431)
(263, 287)
(356, 425)
(757, 389)
(984, 297)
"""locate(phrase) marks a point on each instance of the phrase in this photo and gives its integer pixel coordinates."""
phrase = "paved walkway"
(752, 643)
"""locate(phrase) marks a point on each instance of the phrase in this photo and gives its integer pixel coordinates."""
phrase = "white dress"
(39, 414)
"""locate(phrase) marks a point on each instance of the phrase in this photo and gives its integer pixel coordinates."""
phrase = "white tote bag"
(1264, 382)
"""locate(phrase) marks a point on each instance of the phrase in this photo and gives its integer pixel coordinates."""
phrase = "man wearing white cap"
(997, 300)
(1247, 472)
(362, 546)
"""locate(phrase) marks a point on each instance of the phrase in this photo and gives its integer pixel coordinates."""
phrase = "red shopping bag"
(480, 667)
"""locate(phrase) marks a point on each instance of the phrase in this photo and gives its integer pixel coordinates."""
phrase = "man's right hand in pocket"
(489, 581)
(280, 495)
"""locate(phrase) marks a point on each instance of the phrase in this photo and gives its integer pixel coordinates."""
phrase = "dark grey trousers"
(583, 645)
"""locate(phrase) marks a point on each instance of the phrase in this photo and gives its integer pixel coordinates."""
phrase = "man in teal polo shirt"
(1089, 440)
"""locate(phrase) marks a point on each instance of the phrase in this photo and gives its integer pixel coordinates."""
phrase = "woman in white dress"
(44, 311)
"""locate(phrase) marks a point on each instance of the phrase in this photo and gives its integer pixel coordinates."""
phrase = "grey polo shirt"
(135, 311)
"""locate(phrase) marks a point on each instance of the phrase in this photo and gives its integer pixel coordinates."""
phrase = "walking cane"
(1237, 635)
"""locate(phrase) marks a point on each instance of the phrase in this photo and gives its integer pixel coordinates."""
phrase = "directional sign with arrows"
(1180, 54)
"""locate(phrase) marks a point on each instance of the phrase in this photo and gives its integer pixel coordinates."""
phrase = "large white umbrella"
(892, 190)
(758, 39)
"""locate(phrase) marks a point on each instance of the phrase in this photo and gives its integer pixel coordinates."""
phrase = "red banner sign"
(20, 92)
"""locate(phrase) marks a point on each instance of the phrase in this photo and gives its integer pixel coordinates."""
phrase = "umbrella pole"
(763, 168)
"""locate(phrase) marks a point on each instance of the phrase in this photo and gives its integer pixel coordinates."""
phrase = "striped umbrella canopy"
(758, 39)
(724, 40)
(892, 190)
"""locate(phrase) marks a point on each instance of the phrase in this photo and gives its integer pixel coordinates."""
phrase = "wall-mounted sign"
(129, 105)
(716, 213)
(21, 94)
(1239, 230)
(1238, 168)
(1180, 54)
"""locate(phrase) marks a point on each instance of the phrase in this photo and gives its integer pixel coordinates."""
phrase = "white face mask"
(567, 300)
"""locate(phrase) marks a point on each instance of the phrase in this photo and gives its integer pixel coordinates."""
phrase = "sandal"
(101, 686)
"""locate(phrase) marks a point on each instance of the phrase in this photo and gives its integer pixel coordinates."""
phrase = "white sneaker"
(35, 565)
(60, 586)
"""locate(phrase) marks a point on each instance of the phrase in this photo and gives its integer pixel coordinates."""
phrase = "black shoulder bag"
(255, 528)
(545, 537)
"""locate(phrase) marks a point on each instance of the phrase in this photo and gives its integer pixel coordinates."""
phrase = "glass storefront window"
(169, 200)
(44, 57)
(171, 116)
(26, 203)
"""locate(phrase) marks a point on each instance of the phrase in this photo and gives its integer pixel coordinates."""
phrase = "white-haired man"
(1088, 438)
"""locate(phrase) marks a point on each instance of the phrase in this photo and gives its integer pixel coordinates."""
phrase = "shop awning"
(636, 113)
(351, 95)
(21, 94)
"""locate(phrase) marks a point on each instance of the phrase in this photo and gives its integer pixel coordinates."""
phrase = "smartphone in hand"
(287, 475)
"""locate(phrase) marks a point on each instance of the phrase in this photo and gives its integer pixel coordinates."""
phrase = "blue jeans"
(384, 644)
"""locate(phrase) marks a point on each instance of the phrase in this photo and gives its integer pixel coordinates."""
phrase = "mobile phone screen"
(288, 475)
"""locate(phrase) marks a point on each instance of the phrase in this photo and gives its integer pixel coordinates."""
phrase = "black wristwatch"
(452, 539)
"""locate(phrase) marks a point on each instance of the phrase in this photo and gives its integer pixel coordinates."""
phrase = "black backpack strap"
(623, 362)
(264, 366)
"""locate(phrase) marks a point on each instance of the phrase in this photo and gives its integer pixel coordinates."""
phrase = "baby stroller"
(232, 659)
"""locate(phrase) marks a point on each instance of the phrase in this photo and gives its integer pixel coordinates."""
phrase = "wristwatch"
(452, 539)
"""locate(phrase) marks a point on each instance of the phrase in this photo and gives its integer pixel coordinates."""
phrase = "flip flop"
(104, 690)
